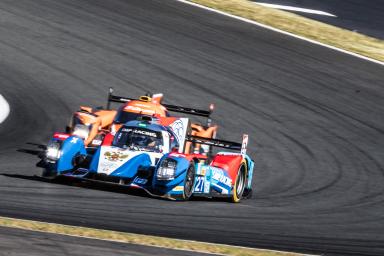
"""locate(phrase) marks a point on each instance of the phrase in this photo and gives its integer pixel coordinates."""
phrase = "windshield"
(139, 139)
(122, 117)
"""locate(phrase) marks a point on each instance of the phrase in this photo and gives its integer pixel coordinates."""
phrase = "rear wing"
(242, 147)
(172, 108)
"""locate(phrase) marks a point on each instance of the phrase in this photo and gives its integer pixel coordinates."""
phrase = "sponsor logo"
(201, 170)
(178, 188)
(138, 109)
(133, 108)
(115, 156)
(147, 133)
(74, 140)
(106, 167)
(142, 132)
(178, 129)
(96, 142)
(218, 174)
(60, 136)
(141, 181)
(177, 155)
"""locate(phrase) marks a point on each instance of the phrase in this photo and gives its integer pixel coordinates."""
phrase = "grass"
(311, 29)
(137, 239)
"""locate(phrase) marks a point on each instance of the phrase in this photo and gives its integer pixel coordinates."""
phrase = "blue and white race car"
(148, 154)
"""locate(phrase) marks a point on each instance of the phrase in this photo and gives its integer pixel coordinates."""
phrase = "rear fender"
(250, 166)
(229, 163)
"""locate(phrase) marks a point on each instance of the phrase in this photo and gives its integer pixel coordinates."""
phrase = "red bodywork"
(230, 163)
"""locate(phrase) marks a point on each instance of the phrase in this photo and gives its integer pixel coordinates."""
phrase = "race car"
(149, 154)
(94, 124)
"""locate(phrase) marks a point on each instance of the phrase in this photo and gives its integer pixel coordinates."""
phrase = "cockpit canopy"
(142, 139)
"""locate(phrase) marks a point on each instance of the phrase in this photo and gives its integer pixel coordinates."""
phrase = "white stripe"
(4, 109)
(295, 9)
(282, 32)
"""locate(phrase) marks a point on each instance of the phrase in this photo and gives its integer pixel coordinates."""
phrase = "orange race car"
(92, 125)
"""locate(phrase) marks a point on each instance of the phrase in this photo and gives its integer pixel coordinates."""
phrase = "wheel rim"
(240, 184)
(189, 182)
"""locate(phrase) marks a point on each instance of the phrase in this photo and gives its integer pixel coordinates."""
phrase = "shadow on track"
(101, 186)
(78, 183)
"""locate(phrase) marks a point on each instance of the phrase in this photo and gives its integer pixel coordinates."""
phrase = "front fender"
(176, 185)
(70, 147)
(130, 168)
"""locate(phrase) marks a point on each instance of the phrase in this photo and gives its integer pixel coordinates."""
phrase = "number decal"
(199, 187)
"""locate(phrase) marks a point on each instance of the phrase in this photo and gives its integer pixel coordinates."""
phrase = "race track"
(314, 116)
(364, 17)
(18, 242)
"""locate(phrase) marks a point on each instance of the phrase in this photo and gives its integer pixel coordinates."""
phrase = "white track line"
(295, 9)
(4, 109)
(282, 32)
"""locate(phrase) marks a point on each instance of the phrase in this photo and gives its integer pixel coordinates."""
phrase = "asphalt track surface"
(365, 17)
(17, 242)
(314, 116)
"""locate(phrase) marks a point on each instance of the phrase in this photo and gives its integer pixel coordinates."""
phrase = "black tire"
(248, 193)
(189, 182)
(240, 184)
(49, 174)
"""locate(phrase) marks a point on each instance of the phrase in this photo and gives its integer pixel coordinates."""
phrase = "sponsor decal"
(142, 132)
(133, 108)
(178, 188)
(201, 170)
(244, 144)
(142, 105)
(229, 154)
(115, 156)
(112, 158)
(126, 130)
(74, 140)
(218, 175)
(106, 167)
(207, 187)
(61, 136)
(139, 109)
(177, 155)
(96, 142)
(141, 181)
(178, 129)
(147, 133)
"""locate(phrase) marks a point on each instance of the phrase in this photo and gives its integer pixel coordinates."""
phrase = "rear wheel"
(238, 188)
(189, 182)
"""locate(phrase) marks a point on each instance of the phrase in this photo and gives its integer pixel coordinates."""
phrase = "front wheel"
(49, 174)
(238, 188)
(189, 182)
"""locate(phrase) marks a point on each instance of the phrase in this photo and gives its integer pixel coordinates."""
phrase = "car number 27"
(199, 187)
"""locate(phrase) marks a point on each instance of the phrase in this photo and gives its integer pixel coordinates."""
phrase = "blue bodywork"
(140, 171)
(70, 148)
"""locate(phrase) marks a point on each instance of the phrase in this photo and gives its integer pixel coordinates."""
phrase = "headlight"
(53, 152)
(81, 131)
(167, 170)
